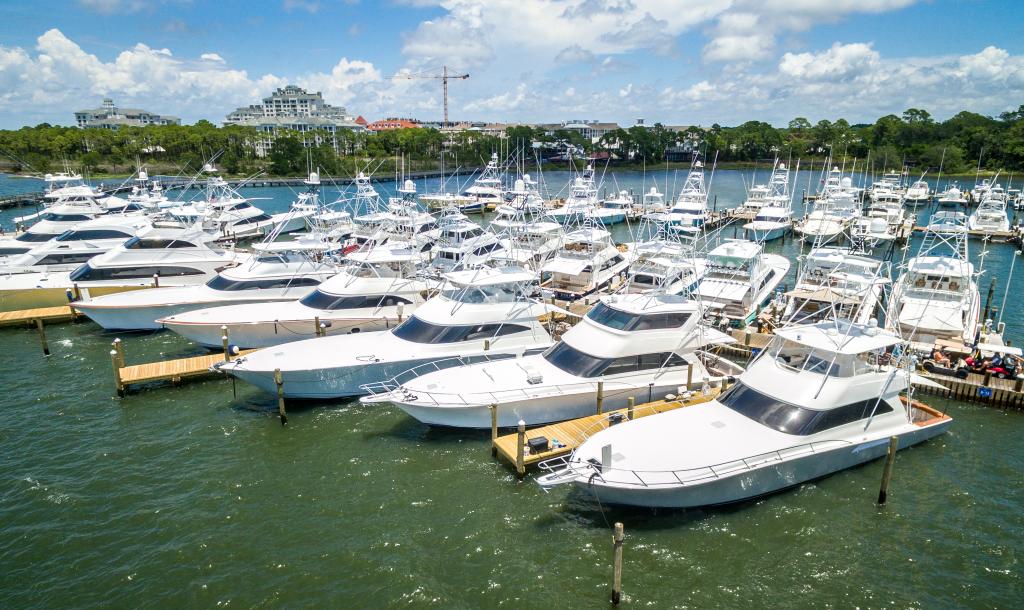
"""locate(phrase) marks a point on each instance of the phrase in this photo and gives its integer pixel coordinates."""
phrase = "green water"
(188, 496)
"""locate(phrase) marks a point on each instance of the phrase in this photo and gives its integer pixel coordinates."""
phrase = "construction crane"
(444, 76)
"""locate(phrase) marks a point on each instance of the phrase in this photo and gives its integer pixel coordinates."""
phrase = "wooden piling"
(119, 348)
(494, 430)
(487, 345)
(42, 337)
(316, 327)
(279, 382)
(600, 397)
(521, 449)
(890, 458)
(689, 375)
(630, 403)
(156, 280)
(617, 540)
(117, 373)
(224, 342)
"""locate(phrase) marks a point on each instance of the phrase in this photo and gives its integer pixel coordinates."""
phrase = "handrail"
(565, 469)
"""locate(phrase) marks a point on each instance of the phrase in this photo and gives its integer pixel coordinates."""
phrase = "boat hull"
(144, 317)
(268, 333)
(763, 235)
(760, 481)
(55, 296)
(550, 405)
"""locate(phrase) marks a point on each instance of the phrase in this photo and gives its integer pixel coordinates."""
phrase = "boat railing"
(390, 385)
(567, 468)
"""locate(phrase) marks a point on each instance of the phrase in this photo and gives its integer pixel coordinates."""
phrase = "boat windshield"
(621, 320)
(220, 282)
(420, 331)
(29, 236)
(582, 364)
(492, 293)
(792, 419)
(331, 302)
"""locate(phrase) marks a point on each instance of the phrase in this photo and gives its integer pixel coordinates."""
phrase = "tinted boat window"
(572, 360)
(323, 300)
(420, 331)
(93, 234)
(86, 272)
(35, 237)
(620, 320)
(792, 419)
(227, 284)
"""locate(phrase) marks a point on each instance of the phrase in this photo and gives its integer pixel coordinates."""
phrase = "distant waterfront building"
(110, 116)
(393, 123)
(590, 129)
(293, 108)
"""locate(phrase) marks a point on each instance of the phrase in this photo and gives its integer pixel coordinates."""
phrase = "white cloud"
(60, 77)
(302, 5)
(747, 30)
(110, 7)
(840, 62)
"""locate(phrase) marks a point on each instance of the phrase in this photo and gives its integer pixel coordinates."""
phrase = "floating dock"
(977, 388)
(514, 448)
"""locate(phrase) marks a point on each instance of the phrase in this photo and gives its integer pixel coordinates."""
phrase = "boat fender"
(234, 350)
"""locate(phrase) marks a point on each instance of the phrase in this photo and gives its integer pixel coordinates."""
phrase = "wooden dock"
(999, 237)
(977, 388)
(571, 433)
(48, 315)
(165, 370)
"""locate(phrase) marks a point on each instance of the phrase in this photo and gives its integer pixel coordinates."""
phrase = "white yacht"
(663, 260)
(835, 282)
(638, 346)
(868, 233)
(952, 196)
(990, 216)
(585, 261)
(653, 202)
(937, 297)
(831, 215)
(75, 246)
(481, 314)
(169, 257)
(376, 289)
(582, 203)
(690, 209)
(51, 223)
(458, 241)
(918, 192)
(981, 189)
(820, 399)
(276, 271)
(740, 278)
(488, 189)
(525, 206)
(617, 208)
(773, 216)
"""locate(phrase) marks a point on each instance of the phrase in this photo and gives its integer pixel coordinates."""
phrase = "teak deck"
(571, 433)
(25, 317)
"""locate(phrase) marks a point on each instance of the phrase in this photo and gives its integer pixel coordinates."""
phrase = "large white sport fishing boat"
(740, 278)
(834, 282)
(663, 260)
(689, 211)
(168, 257)
(75, 246)
(937, 297)
(990, 217)
(586, 260)
(819, 399)
(276, 271)
(488, 190)
(482, 314)
(773, 216)
(638, 345)
(376, 290)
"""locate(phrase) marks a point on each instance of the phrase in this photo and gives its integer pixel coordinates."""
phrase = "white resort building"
(110, 116)
(293, 108)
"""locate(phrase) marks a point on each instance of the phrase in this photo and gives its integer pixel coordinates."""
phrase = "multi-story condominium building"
(293, 108)
(110, 116)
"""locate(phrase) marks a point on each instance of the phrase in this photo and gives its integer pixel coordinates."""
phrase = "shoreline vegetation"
(913, 140)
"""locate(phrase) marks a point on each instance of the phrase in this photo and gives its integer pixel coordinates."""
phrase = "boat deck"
(570, 434)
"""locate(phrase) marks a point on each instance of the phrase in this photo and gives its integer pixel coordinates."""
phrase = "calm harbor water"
(192, 496)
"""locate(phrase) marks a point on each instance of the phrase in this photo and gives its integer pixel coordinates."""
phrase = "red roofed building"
(392, 123)
(361, 121)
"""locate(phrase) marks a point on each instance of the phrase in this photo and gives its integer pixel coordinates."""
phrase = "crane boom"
(444, 76)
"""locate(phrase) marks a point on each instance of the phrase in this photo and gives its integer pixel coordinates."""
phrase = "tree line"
(913, 139)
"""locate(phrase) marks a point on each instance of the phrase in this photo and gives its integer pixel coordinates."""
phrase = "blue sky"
(675, 61)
